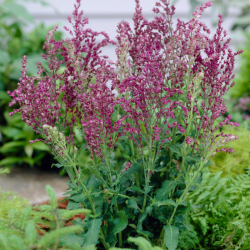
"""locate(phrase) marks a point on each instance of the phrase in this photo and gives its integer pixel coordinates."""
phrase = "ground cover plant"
(166, 94)
(227, 162)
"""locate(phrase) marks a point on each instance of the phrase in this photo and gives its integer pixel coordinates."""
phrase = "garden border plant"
(170, 85)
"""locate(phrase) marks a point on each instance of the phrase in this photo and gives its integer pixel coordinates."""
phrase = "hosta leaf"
(171, 237)
(163, 192)
(91, 237)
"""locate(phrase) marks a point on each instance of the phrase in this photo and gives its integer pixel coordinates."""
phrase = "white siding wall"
(104, 15)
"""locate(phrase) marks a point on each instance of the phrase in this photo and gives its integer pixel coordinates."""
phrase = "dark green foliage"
(220, 211)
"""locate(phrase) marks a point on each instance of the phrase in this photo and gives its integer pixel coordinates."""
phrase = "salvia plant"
(166, 92)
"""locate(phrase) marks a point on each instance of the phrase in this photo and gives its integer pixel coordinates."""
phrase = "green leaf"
(91, 237)
(203, 225)
(10, 131)
(142, 217)
(167, 202)
(78, 197)
(30, 233)
(142, 243)
(117, 226)
(175, 149)
(9, 146)
(132, 203)
(52, 196)
(57, 165)
(28, 150)
(171, 237)
(59, 233)
(126, 175)
(17, 10)
(41, 146)
(10, 160)
(163, 192)
(120, 146)
(3, 95)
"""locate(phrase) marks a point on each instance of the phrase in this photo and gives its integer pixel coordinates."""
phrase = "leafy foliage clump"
(20, 230)
(241, 157)
(9, 200)
(220, 211)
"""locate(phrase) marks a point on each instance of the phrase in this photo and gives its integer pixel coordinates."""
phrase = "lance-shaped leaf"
(143, 217)
(91, 237)
(117, 226)
(171, 237)
(163, 192)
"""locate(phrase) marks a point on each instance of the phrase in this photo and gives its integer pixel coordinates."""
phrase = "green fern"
(220, 211)
(18, 231)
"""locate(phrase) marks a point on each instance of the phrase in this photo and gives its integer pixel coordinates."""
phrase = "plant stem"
(181, 199)
(119, 234)
(185, 192)
(102, 238)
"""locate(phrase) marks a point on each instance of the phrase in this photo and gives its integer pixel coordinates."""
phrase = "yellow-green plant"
(10, 200)
(236, 163)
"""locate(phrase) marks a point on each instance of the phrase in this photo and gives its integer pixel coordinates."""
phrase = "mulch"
(61, 205)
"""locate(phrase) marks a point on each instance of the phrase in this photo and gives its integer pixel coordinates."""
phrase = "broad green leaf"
(117, 226)
(78, 197)
(10, 160)
(10, 131)
(91, 237)
(11, 146)
(163, 192)
(41, 146)
(17, 10)
(171, 237)
(132, 203)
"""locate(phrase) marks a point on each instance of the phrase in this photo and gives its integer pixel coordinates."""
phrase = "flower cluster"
(168, 81)
(128, 165)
